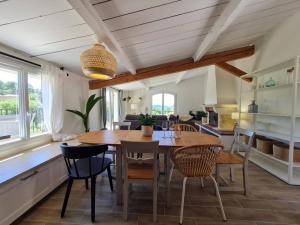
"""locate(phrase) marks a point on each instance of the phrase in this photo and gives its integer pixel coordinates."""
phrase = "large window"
(163, 104)
(21, 114)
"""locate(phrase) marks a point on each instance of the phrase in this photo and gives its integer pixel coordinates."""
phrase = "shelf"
(297, 164)
(275, 135)
(275, 87)
(279, 66)
(268, 114)
(277, 169)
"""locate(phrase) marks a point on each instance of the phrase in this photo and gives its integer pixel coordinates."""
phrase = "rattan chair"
(185, 127)
(136, 170)
(231, 160)
(197, 161)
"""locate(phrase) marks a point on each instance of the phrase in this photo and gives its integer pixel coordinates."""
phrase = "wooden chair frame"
(130, 147)
(236, 147)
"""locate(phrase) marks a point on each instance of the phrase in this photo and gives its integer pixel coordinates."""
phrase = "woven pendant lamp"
(98, 63)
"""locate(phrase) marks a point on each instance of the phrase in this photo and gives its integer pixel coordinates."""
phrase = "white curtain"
(52, 90)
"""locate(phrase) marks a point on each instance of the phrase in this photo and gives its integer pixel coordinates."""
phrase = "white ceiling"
(148, 32)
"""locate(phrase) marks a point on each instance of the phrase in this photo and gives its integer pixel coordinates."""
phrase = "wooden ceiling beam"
(174, 67)
(233, 70)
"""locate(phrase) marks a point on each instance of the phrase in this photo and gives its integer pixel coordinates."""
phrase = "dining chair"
(231, 159)
(85, 162)
(185, 127)
(117, 126)
(121, 125)
(197, 161)
(137, 170)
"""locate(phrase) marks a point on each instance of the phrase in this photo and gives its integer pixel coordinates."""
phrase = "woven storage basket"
(245, 139)
(264, 145)
(281, 151)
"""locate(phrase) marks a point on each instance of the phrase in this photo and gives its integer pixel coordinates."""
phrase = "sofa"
(136, 125)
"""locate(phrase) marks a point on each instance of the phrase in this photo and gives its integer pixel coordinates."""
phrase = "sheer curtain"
(102, 105)
(52, 91)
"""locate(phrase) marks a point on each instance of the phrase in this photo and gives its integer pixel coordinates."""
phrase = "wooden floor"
(270, 202)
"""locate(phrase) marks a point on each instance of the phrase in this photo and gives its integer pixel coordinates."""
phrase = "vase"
(147, 131)
(204, 120)
(270, 83)
(253, 107)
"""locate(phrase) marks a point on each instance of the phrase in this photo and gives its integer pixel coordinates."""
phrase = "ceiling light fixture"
(98, 63)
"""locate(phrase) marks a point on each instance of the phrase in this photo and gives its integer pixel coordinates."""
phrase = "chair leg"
(69, 187)
(110, 178)
(182, 200)
(155, 190)
(231, 170)
(171, 174)
(202, 182)
(93, 186)
(245, 180)
(219, 198)
(125, 199)
(86, 183)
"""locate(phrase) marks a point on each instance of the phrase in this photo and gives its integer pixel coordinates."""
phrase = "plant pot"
(147, 131)
(204, 120)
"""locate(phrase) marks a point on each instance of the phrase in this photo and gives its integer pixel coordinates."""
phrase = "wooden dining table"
(167, 142)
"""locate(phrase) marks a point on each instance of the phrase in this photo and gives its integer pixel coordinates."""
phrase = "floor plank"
(270, 202)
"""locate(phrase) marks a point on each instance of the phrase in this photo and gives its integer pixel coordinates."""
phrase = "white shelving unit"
(278, 115)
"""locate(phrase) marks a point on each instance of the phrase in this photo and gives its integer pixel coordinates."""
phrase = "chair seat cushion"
(98, 165)
(229, 158)
(140, 171)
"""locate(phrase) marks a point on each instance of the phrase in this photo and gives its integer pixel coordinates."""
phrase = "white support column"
(86, 10)
(232, 10)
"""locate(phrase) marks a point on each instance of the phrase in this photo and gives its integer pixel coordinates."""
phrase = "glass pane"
(9, 105)
(157, 104)
(108, 124)
(37, 125)
(169, 104)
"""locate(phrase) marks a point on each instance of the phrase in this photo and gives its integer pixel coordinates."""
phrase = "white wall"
(227, 90)
(190, 93)
(75, 97)
(279, 44)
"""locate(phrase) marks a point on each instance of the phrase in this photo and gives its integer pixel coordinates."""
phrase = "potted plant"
(147, 121)
(201, 115)
(91, 102)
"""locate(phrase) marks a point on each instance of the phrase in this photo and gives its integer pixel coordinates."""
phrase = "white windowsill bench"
(28, 177)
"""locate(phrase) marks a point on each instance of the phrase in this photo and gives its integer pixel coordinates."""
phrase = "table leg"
(167, 174)
(119, 180)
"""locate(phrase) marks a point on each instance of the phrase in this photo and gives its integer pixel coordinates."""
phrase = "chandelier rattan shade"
(98, 63)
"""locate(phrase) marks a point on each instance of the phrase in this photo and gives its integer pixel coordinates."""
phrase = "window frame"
(24, 141)
(163, 101)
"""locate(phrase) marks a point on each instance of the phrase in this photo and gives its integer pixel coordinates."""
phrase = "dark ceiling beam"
(174, 67)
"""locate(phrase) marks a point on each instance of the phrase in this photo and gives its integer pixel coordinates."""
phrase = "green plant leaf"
(89, 101)
(77, 113)
(91, 104)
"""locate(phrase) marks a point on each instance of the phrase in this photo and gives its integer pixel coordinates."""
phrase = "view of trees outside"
(35, 104)
(9, 104)
(163, 104)
(9, 107)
